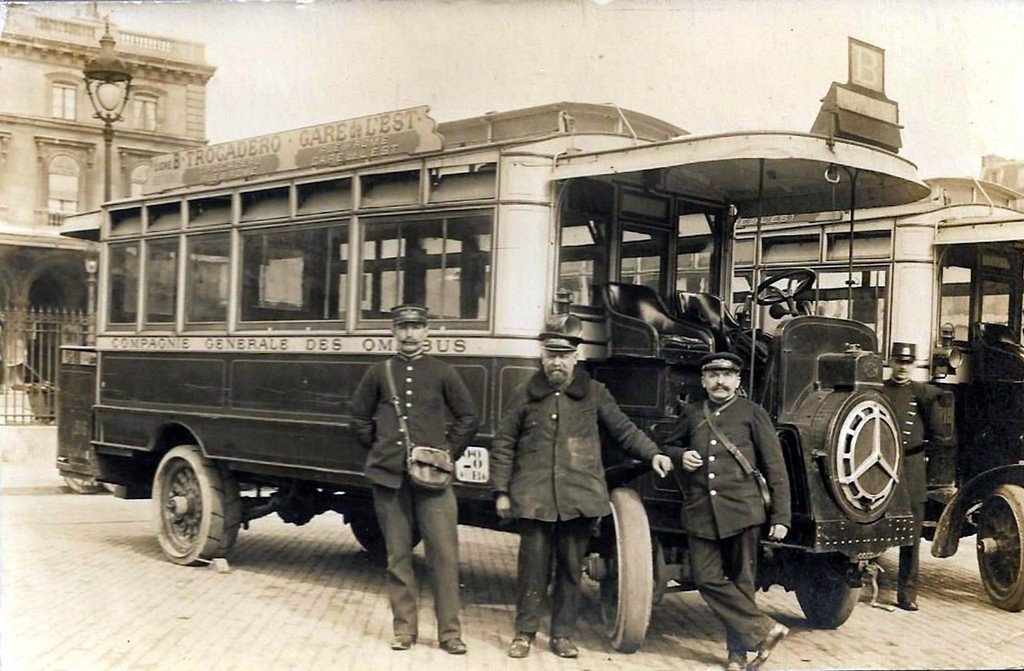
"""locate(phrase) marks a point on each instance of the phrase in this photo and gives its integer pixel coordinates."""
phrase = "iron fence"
(30, 342)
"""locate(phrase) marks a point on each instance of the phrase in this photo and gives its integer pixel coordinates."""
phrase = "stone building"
(51, 146)
(1006, 171)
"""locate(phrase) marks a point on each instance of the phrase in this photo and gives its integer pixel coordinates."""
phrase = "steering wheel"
(797, 281)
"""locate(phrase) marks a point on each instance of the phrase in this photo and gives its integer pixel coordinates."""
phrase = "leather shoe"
(563, 647)
(907, 604)
(765, 647)
(520, 646)
(402, 642)
(454, 646)
(737, 661)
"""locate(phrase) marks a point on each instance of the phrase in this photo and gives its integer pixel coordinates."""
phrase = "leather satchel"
(759, 480)
(429, 468)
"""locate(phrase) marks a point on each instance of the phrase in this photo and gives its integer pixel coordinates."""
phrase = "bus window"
(868, 306)
(161, 280)
(955, 300)
(995, 302)
(124, 283)
(581, 267)
(694, 248)
(294, 275)
(643, 255)
(208, 273)
(443, 262)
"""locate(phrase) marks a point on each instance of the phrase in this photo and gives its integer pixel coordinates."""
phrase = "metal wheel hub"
(867, 458)
(182, 505)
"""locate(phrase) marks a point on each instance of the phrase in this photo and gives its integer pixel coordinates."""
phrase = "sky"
(955, 67)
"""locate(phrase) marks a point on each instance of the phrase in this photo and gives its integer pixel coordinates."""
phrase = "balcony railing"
(87, 32)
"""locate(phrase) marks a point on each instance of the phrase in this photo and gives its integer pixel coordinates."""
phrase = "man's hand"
(503, 505)
(778, 532)
(692, 460)
(662, 464)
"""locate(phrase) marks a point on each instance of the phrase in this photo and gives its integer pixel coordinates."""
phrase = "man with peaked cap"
(723, 511)
(916, 405)
(426, 388)
(547, 474)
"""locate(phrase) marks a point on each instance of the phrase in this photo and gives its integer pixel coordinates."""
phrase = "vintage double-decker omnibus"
(945, 273)
(244, 296)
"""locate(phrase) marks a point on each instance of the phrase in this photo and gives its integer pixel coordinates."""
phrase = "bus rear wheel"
(1000, 543)
(627, 590)
(825, 597)
(197, 507)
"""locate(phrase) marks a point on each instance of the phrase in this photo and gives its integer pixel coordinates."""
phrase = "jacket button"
(408, 405)
(408, 379)
(558, 393)
(408, 392)
(713, 492)
(409, 368)
(711, 476)
(711, 458)
(714, 442)
(554, 416)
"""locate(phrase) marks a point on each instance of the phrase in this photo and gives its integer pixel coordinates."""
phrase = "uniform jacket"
(719, 499)
(427, 388)
(546, 454)
(916, 406)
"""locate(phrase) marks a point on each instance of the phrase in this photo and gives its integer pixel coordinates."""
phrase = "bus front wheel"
(627, 590)
(197, 507)
(1001, 547)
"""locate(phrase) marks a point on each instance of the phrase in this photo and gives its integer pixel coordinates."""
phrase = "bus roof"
(726, 168)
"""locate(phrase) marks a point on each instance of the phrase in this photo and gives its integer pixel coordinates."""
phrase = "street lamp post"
(108, 81)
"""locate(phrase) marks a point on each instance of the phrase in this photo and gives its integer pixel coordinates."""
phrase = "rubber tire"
(220, 508)
(370, 536)
(368, 533)
(84, 485)
(827, 601)
(627, 592)
(1007, 595)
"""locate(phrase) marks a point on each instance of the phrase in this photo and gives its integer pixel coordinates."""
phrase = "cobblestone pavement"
(84, 586)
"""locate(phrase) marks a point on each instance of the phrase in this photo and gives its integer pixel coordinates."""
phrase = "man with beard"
(723, 510)
(916, 404)
(547, 474)
(426, 388)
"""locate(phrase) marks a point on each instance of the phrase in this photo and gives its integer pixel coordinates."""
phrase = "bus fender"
(974, 492)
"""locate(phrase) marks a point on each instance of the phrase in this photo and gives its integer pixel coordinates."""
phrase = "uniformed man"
(426, 388)
(547, 474)
(723, 510)
(914, 402)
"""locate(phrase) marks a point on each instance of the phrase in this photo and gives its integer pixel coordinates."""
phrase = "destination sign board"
(389, 134)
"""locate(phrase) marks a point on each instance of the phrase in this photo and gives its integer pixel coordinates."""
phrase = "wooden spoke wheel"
(1000, 543)
(627, 590)
(197, 507)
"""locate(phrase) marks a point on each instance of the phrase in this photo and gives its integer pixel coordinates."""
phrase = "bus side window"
(443, 262)
(955, 300)
(124, 283)
(294, 274)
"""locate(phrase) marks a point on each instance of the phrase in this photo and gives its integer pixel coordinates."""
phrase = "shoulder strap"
(396, 403)
(733, 450)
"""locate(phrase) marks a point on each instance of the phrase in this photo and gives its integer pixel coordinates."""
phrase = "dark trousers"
(435, 515)
(910, 559)
(725, 571)
(538, 541)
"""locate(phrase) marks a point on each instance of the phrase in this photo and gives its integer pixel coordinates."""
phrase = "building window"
(62, 101)
(144, 111)
(62, 185)
(139, 177)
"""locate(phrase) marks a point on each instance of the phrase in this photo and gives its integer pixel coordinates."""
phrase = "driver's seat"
(641, 326)
(730, 336)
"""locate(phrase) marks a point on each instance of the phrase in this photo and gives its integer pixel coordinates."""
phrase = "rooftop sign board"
(389, 134)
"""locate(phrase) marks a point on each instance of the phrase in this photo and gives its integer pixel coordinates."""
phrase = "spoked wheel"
(197, 508)
(825, 597)
(1001, 547)
(627, 589)
(83, 485)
